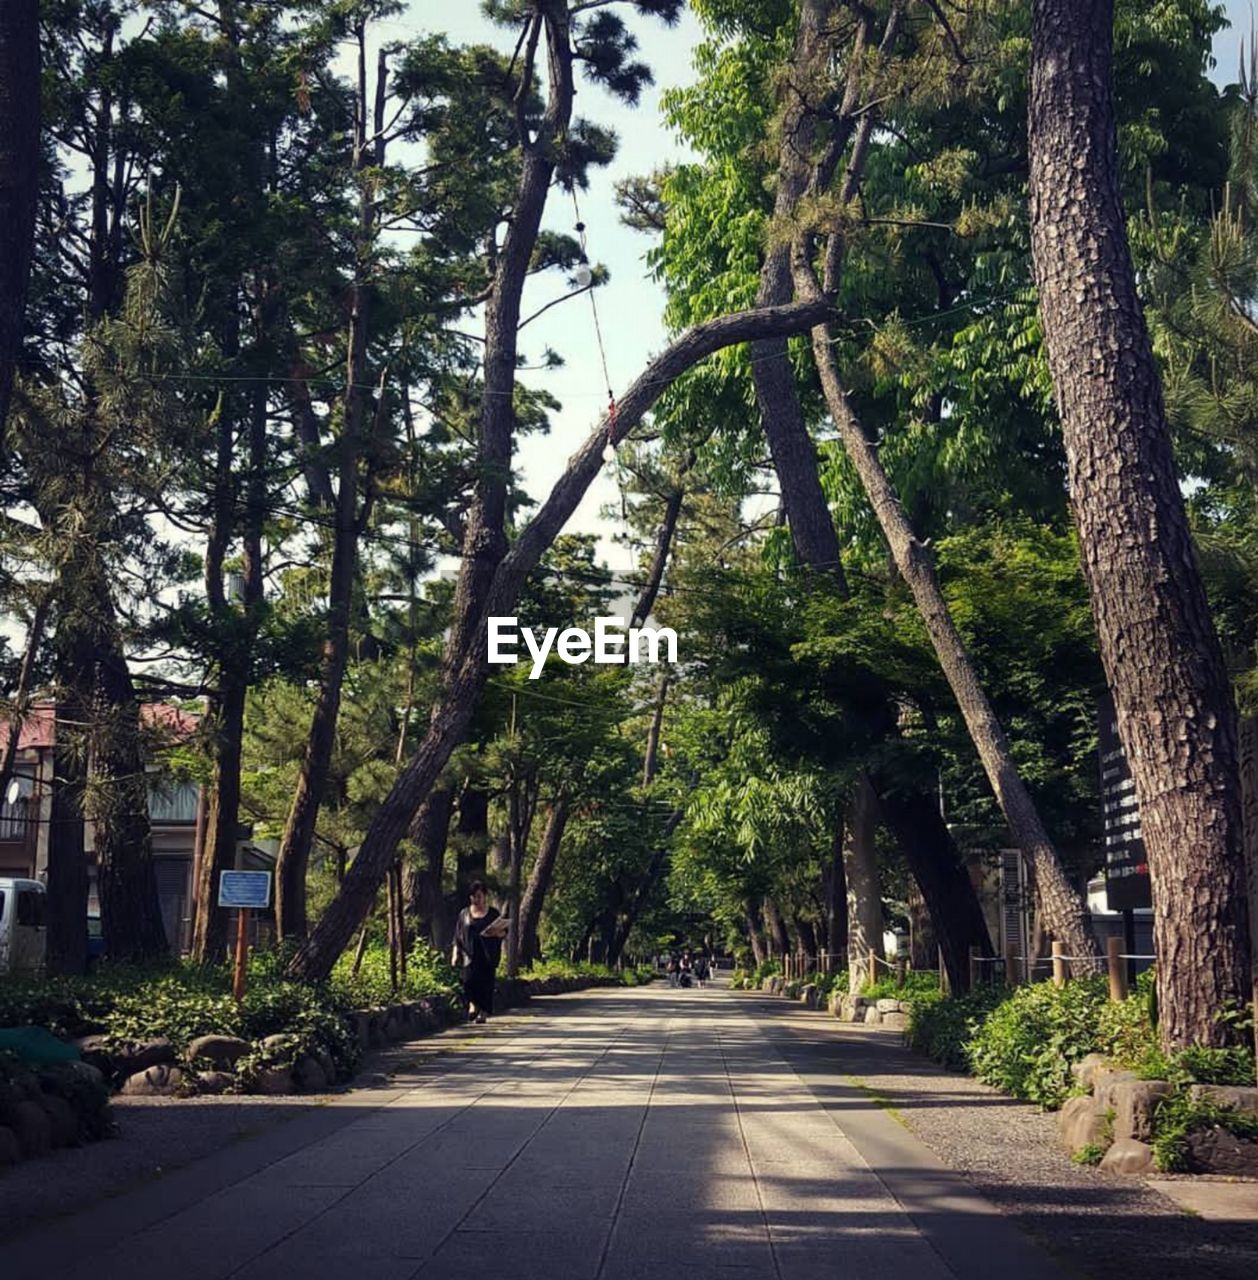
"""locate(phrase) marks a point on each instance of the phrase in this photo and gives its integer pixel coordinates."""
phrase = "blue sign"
(244, 889)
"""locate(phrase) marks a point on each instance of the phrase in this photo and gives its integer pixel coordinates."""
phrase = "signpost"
(246, 891)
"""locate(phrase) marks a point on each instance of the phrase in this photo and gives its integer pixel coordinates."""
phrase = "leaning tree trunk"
(19, 176)
(1162, 658)
(775, 928)
(539, 881)
(864, 892)
(1062, 904)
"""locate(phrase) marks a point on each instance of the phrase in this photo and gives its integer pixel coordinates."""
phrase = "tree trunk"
(834, 889)
(807, 936)
(19, 176)
(1162, 658)
(226, 712)
(777, 396)
(472, 840)
(130, 914)
(913, 818)
(755, 934)
(775, 929)
(1063, 905)
(531, 903)
(67, 861)
(293, 860)
(425, 902)
(864, 893)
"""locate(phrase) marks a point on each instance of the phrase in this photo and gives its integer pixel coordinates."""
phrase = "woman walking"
(478, 948)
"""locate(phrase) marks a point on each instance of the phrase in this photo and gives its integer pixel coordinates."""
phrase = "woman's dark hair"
(477, 886)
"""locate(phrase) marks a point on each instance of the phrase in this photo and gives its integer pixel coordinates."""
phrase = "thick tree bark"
(472, 831)
(297, 841)
(539, 881)
(864, 892)
(19, 176)
(1162, 658)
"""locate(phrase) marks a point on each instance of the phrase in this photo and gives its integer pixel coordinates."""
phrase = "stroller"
(684, 979)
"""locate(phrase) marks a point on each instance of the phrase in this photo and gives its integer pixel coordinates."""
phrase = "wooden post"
(1117, 970)
(976, 969)
(873, 965)
(1011, 964)
(945, 985)
(1059, 964)
(242, 954)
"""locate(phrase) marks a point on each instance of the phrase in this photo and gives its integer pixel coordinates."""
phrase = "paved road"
(621, 1135)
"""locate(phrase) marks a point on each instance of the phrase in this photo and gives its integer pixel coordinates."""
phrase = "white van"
(23, 927)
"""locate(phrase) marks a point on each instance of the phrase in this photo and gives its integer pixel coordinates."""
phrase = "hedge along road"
(640, 1134)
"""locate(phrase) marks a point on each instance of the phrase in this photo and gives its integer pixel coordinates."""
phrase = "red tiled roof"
(39, 727)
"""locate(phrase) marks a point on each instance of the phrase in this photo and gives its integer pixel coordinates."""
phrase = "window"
(13, 820)
(172, 801)
(30, 908)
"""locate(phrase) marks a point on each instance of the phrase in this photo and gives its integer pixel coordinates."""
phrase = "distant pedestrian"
(701, 970)
(672, 971)
(478, 948)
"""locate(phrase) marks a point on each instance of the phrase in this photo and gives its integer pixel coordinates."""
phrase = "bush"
(1180, 1116)
(916, 983)
(1027, 1043)
(942, 1027)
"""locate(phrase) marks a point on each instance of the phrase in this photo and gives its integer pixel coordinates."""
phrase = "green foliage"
(942, 1027)
(916, 984)
(1180, 1115)
(1092, 1154)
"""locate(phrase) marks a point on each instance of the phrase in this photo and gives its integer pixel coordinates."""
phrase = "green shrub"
(942, 1027)
(916, 982)
(1179, 1116)
(1028, 1042)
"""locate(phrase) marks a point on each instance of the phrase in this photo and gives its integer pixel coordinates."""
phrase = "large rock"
(896, 1021)
(872, 1016)
(30, 1123)
(160, 1081)
(1128, 1155)
(325, 1060)
(62, 1119)
(83, 1087)
(132, 1059)
(215, 1082)
(808, 995)
(309, 1076)
(1134, 1104)
(1215, 1150)
(274, 1081)
(1231, 1097)
(10, 1148)
(887, 1005)
(221, 1052)
(95, 1050)
(1082, 1123)
(1084, 1071)
(835, 1004)
(1104, 1083)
